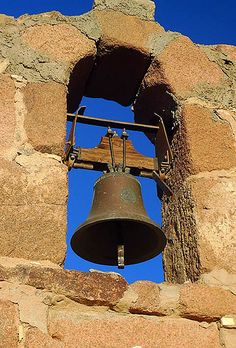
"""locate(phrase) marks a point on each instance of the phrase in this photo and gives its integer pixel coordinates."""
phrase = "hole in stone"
(81, 190)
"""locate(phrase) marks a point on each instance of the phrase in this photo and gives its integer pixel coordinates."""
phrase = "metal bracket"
(164, 156)
(163, 150)
(69, 157)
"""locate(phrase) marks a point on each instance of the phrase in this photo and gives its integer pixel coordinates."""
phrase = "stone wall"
(47, 63)
(43, 305)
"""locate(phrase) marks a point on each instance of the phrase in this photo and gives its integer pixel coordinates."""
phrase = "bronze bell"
(118, 229)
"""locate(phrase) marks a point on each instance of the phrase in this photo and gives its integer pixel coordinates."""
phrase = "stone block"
(13, 183)
(148, 301)
(31, 308)
(144, 9)
(203, 303)
(221, 278)
(122, 59)
(10, 268)
(228, 50)
(7, 117)
(228, 337)
(88, 288)
(169, 298)
(156, 299)
(179, 68)
(4, 63)
(34, 232)
(34, 338)
(62, 42)
(215, 200)
(66, 44)
(210, 139)
(134, 332)
(46, 179)
(4, 20)
(33, 208)
(8, 325)
(45, 120)
(228, 321)
(33, 179)
(94, 288)
(184, 67)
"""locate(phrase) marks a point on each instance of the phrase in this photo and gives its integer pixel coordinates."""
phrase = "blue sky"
(205, 22)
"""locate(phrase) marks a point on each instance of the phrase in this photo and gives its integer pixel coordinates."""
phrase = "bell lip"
(103, 261)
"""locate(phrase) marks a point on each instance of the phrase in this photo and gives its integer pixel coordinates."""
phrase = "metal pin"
(121, 256)
(110, 134)
(124, 136)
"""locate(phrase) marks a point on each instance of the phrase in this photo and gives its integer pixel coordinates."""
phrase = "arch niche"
(133, 61)
(127, 69)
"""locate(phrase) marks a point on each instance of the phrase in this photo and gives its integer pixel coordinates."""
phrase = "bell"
(118, 230)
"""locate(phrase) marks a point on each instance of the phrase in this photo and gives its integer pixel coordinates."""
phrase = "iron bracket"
(162, 162)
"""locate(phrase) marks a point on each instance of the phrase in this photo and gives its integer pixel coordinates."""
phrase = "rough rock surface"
(228, 50)
(46, 305)
(94, 288)
(179, 70)
(208, 135)
(33, 202)
(215, 198)
(144, 9)
(45, 117)
(220, 277)
(7, 117)
(36, 338)
(64, 43)
(156, 299)
(8, 324)
(61, 42)
(148, 300)
(228, 338)
(206, 304)
(142, 332)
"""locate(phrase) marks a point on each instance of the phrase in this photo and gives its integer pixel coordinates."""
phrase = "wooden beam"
(101, 155)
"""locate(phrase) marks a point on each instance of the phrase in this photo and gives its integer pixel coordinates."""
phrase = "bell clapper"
(121, 256)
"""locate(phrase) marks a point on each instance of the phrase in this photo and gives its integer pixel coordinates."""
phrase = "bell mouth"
(98, 241)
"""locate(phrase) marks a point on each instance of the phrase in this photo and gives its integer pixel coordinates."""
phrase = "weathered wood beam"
(101, 155)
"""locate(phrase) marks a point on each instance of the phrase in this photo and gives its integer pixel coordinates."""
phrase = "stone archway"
(155, 70)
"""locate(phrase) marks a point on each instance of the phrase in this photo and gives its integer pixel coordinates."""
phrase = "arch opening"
(81, 184)
(104, 98)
